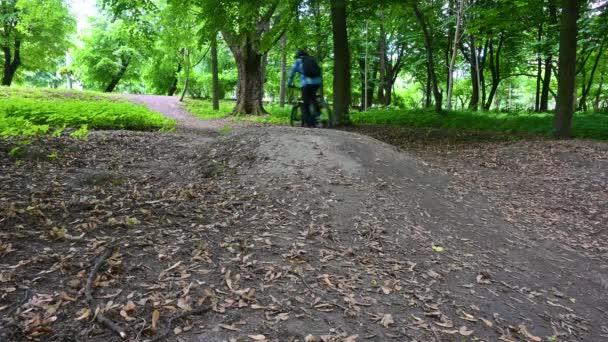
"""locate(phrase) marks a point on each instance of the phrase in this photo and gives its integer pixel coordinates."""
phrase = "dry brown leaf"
(487, 322)
(229, 327)
(387, 320)
(524, 331)
(464, 331)
(84, 314)
(155, 318)
(257, 337)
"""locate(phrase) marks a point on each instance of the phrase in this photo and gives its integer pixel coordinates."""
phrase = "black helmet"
(301, 53)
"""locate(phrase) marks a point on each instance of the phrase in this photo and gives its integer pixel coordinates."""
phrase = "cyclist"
(310, 81)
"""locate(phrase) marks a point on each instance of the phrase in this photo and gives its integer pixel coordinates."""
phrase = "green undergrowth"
(44, 111)
(584, 125)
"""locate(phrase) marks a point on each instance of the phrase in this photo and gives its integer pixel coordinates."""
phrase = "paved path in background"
(170, 107)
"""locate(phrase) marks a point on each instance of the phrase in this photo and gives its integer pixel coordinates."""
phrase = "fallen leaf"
(84, 314)
(487, 322)
(155, 318)
(257, 337)
(464, 332)
(387, 320)
(524, 331)
(229, 327)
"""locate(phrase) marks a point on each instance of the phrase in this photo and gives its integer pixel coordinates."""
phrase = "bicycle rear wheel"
(295, 119)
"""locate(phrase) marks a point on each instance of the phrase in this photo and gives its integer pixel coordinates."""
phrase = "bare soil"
(282, 233)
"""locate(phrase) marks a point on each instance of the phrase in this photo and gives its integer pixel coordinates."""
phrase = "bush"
(37, 111)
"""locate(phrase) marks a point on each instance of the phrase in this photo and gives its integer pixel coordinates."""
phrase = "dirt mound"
(277, 232)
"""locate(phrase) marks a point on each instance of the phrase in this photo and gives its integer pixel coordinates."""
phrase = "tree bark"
(430, 60)
(283, 90)
(116, 79)
(428, 91)
(596, 102)
(544, 97)
(586, 89)
(454, 53)
(11, 63)
(567, 69)
(250, 85)
(341, 63)
(215, 79)
(539, 69)
(382, 61)
(173, 88)
(495, 70)
(186, 82)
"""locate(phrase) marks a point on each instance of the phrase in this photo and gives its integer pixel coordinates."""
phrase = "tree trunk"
(382, 60)
(250, 85)
(495, 70)
(215, 80)
(11, 64)
(430, 60)
(173, 88)
(187, 81)
(567, 69)
(544, 97)
(454, 53)
(474, 103)
(428, 87)
(341, 63)
(70, 81)
(283, 90)
(596, 102)
(585, 94)
(114, 82)
(539, 69)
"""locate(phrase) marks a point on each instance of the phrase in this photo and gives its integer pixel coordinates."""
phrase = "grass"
(584, 125)
(40, 111)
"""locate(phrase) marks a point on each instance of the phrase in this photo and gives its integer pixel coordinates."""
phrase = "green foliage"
(110, 52)
(204, 109)
(32, 116)
(42, 27)
(592, 126)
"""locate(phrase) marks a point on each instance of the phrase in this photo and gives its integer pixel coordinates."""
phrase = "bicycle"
(295, 118)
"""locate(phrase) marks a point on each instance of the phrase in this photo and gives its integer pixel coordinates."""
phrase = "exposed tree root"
(196, 312)
(103, 320)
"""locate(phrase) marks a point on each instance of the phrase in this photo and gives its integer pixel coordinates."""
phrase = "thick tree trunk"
(430, 60)
(215, 79)
(283, 90)
(11, 64)
(341, 63)
(454, 53)
(539, 69)
(250, 85)
(567, 69)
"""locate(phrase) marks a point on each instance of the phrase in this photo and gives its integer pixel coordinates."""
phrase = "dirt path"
(186, 121)
(281, 233)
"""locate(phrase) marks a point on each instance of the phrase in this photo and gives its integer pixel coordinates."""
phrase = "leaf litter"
(211, 241)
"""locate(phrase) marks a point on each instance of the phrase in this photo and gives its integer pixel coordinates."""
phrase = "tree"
(428, 41)
(567, 69)
(34, 35)
(250, 29)
(457, 36)
(341, 63)
(111, 54)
